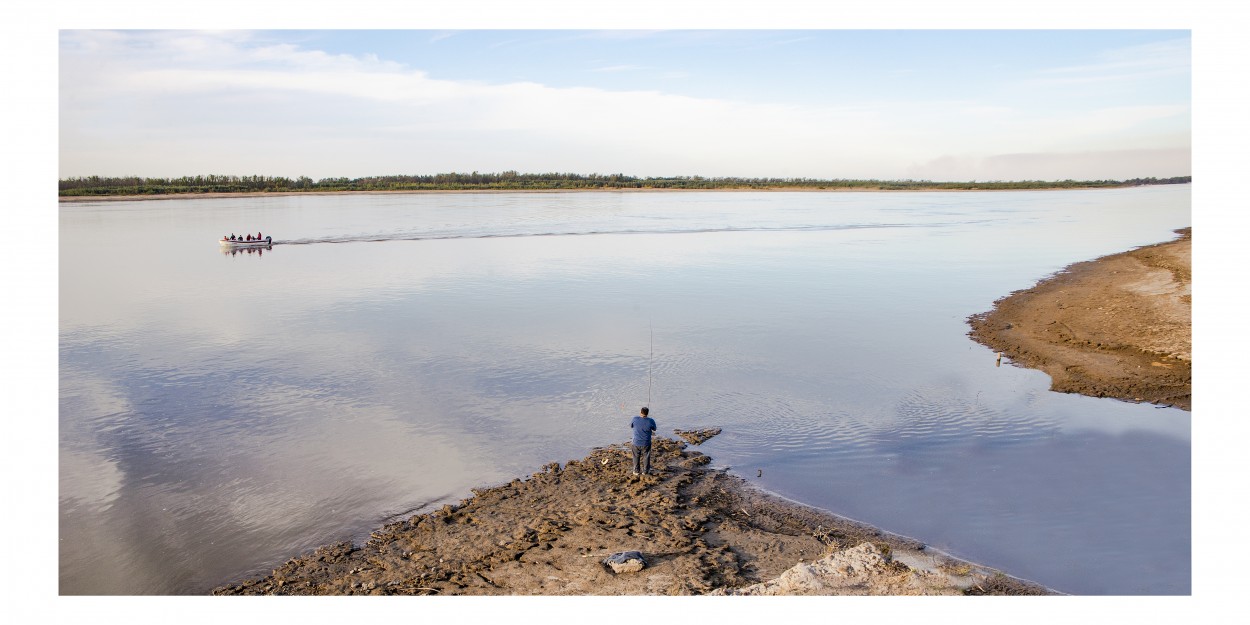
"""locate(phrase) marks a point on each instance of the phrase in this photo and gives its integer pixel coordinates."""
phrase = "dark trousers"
(642, 458)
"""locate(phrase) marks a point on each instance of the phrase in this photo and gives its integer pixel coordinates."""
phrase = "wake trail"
(443, 236)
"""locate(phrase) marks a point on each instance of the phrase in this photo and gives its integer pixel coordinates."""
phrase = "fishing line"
(650, 359)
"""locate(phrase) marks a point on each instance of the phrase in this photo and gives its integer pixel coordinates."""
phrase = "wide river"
(221, 412)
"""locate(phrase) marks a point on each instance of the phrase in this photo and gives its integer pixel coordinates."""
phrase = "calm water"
(221, 412)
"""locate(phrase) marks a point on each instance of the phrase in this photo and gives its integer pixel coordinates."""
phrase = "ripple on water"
(925, 421)
(933, 418)
(789, 426)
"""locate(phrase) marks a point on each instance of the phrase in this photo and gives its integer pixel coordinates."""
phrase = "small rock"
(696, 437)
(625, 562)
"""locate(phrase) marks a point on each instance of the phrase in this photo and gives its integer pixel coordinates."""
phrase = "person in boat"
(259, 238)
(232, 236)
(249, 237)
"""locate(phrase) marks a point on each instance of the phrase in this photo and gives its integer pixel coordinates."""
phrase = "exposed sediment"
(1118, 326)
(699, 529)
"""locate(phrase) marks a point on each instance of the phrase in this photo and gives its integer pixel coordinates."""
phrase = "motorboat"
(245, 243)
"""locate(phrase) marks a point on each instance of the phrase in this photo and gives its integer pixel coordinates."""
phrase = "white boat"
(245, 243)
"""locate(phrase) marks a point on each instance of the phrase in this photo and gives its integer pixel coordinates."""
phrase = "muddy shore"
(699, 530)
(1117, 326)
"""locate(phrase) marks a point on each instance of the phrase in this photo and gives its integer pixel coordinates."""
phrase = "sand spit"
(1118, 326)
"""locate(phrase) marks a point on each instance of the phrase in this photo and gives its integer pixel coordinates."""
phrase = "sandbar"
(1118, 326)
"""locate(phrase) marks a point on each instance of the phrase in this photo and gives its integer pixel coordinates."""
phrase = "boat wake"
(437, 236)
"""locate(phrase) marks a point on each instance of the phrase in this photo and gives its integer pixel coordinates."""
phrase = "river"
(221, 412)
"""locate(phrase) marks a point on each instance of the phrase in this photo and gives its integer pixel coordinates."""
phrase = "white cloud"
(192, 99)
(1150, 61)
(1090, 165)
(1099, 128)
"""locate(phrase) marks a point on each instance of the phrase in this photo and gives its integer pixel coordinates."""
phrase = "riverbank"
(699, 530)
(245, 194)
(1117, 326)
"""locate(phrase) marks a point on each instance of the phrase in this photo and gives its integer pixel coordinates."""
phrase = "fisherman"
(643, 426)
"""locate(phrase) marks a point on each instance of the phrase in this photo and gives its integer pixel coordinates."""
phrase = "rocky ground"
(1119, 326)
(699, 530)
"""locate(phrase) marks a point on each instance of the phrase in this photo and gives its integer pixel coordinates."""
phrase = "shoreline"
(73, 199)
(1117, 326)
(700, 530)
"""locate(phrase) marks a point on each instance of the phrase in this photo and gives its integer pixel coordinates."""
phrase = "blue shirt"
(643, 427)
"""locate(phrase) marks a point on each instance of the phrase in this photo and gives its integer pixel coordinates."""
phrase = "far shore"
(177, 196)
(244, 194)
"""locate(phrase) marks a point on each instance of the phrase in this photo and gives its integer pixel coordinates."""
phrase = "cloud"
(682, 132)
(441, 35)
(1089, 165)
(179, 102)
(1150, 61)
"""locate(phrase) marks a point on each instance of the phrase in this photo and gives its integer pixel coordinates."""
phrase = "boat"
(245, 243)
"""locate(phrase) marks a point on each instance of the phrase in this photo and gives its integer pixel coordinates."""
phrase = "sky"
(986, 104)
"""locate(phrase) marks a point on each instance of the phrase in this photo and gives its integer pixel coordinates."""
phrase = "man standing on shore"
(643, 426)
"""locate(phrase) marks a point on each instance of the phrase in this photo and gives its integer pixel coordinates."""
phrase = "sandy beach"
(1118, 326)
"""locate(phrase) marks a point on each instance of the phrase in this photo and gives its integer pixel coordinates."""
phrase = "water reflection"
(235, 251)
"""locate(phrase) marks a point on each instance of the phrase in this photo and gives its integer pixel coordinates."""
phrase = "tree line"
(512, 180)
